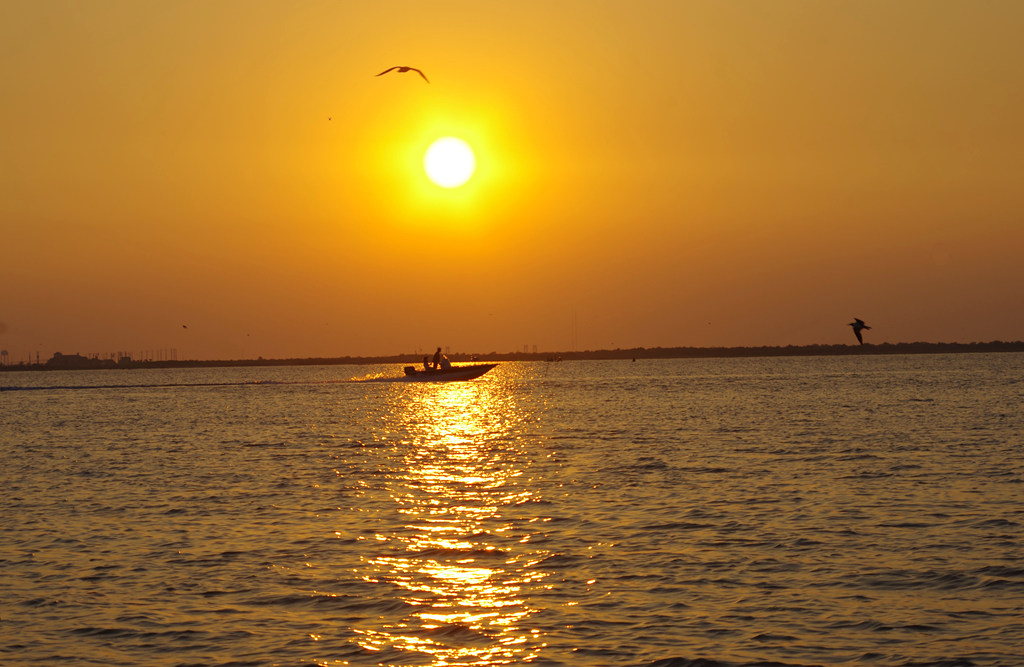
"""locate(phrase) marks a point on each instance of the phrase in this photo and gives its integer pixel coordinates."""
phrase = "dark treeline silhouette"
(794, 350)
(78, 362)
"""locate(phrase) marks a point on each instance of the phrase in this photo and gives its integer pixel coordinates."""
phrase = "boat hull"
(453, 374)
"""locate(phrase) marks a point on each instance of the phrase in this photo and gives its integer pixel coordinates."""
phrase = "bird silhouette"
(405, 68)
(857, 325)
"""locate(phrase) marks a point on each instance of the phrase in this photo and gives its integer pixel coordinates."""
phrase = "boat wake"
(455, 373)
(164, 385)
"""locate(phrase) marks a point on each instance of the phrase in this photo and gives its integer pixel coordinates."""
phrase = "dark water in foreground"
(801, 511)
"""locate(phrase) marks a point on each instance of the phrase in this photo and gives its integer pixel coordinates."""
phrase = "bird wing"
(860, 339)
(387, 70)
(421, 74)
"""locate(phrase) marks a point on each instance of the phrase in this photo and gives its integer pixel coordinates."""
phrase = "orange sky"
(677, 173)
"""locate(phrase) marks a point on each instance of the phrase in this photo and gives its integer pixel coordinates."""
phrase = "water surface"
(825, 510)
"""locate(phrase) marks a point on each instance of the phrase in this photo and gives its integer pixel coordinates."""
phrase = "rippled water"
(796, 511)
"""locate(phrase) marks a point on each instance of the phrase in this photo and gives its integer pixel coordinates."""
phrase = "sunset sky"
(650, 173)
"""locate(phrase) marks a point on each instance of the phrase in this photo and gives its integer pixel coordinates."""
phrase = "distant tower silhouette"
(3, 358)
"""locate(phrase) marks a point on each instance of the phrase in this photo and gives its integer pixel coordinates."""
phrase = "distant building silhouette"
(77, 361)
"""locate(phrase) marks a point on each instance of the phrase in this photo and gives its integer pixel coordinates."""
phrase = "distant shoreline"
(77, 362)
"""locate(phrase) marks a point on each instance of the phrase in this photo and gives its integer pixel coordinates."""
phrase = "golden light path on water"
(458, 562)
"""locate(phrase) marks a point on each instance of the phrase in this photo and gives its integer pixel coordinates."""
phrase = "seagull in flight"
(857, 325)
(404, 68)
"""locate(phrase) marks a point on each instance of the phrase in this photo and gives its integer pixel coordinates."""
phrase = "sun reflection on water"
(457, 553)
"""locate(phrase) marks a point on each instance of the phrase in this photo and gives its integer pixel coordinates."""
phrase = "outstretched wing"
(387, 70)
(421, 74)
(860, 339)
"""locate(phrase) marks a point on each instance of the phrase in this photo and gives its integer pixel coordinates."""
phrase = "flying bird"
(857, 325)
(404, 68)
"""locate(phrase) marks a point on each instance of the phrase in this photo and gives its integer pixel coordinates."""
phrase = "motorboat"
(451, 374)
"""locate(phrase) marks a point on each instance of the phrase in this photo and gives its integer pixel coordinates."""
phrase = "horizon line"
(76, 361)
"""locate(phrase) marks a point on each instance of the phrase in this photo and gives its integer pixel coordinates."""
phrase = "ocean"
(857, 510)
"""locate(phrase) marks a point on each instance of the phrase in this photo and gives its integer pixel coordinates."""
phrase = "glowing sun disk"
(449, 162)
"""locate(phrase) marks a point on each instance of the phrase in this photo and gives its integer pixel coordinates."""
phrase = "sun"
(449, 162)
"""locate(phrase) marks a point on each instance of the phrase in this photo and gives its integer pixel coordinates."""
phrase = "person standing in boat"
(437, 359)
